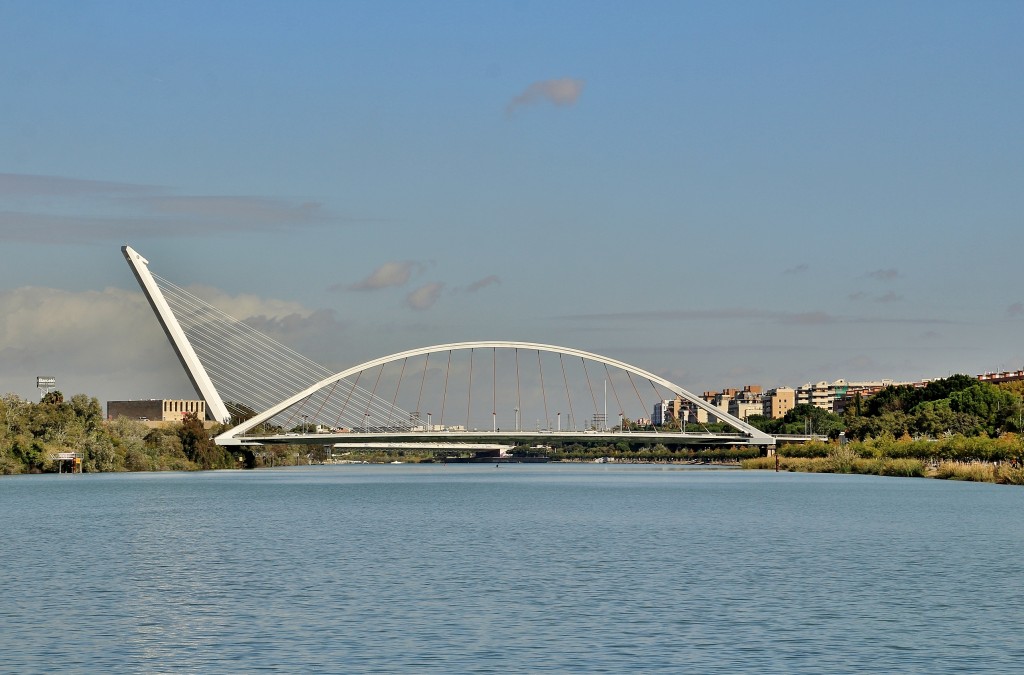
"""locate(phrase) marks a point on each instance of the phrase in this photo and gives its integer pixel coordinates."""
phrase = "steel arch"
(231, 435)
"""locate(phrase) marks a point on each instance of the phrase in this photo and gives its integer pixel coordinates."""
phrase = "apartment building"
(746, 403)
(833, 396)
(777, 402)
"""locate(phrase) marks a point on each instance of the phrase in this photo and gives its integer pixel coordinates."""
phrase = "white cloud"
(59, 210)
(563, 92)
(246, 305)
(394, 273)
(425, 296)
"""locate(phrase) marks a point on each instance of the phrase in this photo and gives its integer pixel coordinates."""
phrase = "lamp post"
(517, 420)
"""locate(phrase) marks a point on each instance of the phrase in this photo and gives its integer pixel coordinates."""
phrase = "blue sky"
(722, 193)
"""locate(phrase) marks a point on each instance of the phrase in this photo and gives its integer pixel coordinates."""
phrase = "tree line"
(32, 435)
(956, 418)
(959, 405)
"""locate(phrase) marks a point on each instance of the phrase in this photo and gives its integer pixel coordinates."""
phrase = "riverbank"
(982, 472)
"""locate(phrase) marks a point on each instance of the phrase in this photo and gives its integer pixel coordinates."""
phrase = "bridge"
(474, 392)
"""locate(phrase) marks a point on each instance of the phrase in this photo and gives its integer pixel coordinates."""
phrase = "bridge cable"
(519, 400)
(391, 419)
(296, 412)
(638, 397)
(341, 412)
(244, 363)
(568, 396)
(469, 394)
(444, 398)
(622, 411)
(326, 398)
(544, 394)
(422, 381)
(366, 413)
(590, 387)
(658, 397)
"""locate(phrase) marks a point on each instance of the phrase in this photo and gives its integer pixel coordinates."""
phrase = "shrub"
(969, 471)
(902, 467)
(758, 463)
(1010, 475)
(840, 459)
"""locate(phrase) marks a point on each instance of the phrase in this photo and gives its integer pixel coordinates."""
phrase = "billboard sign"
(46, 381)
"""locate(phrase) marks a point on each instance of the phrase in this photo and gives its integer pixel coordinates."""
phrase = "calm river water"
(523, 568)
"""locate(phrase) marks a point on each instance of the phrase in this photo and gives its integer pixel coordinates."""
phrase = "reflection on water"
(523, 568)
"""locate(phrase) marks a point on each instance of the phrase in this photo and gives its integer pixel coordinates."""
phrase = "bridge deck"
(532, 437)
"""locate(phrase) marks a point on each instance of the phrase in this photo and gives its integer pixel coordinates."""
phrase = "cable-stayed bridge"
(473, 392)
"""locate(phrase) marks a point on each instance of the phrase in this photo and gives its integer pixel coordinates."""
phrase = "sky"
(722, 193)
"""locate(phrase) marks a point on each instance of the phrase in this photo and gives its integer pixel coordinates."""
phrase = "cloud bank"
(61, 210)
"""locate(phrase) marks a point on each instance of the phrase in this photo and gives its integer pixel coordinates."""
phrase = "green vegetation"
(978, 458)
(31, 435)
(955, 405)
(956, 428)
(802, 419)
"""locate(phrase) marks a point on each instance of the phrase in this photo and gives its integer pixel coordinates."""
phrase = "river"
(522, 568)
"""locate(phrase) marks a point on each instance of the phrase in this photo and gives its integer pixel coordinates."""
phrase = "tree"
(806, 418)
(934, 418)
(992, 406)
(900, 398)
(940, 389)
(53, 398)
(195, 441)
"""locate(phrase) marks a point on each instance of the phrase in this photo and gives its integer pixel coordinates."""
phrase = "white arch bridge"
(464, 392)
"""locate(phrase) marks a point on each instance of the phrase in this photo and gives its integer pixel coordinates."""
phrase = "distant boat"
(397, 462)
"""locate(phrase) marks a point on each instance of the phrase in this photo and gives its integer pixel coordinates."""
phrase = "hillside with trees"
(957, 405)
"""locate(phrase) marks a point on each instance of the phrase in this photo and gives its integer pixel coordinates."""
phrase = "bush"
(1010, 475)
(809, 449)
(908, 468)
(840, 459)
(969, 471)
